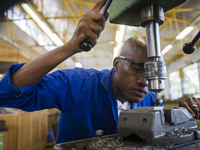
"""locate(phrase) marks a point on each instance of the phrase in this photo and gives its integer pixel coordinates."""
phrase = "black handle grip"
(86, 45)
(189, 48)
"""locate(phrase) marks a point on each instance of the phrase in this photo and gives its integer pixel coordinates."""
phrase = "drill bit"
(157, 101)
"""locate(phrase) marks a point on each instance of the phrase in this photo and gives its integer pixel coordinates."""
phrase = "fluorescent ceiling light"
(78, 64)
(31, 13)
(115, 52)
(56, 40)
(166, 49)
(119, 38)
(45, 28)
(120, 34)
(42, 25)
(185, 32)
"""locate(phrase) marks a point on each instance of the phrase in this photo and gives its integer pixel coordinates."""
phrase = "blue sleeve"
(28, 98)
(53, 91)
(148, 100)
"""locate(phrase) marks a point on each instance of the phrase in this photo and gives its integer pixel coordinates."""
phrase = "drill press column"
(155, 71)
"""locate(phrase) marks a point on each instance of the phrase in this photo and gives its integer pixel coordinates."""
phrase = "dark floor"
(49, 148)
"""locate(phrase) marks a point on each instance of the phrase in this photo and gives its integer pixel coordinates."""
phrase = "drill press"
(153, 123)
(155, 70)
(148, 14)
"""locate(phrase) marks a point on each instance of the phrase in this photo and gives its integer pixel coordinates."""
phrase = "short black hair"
(6, 4)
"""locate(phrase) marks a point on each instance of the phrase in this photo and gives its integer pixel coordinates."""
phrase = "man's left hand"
(192, 104)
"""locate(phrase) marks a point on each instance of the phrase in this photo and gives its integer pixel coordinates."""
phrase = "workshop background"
(34, 28)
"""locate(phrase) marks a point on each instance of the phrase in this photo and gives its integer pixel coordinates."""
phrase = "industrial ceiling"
(61, 16)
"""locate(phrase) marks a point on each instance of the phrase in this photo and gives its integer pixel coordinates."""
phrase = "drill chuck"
(155, 73)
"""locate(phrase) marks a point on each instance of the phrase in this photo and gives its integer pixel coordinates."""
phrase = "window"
(175, 85)
(191, 80)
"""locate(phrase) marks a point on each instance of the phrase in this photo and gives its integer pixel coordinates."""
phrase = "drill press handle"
(189, 48)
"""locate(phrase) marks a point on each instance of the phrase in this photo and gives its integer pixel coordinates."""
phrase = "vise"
(158, 126)
(151, 128)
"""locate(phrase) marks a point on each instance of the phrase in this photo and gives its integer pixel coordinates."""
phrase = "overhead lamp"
(56, 40)
(118, 39)
(183, 33)
(29, 10)
(120, 33)
(44, 28)
(115, 52)
(166, 49)
(78, 64)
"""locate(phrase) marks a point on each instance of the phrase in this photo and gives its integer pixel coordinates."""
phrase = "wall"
(26, 130)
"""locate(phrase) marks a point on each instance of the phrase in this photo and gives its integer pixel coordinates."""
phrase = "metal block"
(177, 115)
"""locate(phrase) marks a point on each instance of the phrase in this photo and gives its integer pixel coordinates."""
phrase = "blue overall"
(84, 97)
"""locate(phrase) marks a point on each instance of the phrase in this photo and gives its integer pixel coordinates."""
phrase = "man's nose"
(142, 80)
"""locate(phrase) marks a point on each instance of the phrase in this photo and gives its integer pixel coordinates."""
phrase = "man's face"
(130, 79)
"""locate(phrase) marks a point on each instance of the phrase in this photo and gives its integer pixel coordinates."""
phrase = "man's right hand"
(90, 26)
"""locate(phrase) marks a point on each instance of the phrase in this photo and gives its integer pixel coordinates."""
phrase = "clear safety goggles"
(133, 67)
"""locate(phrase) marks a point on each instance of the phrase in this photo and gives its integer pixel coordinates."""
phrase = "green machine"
(128, 12)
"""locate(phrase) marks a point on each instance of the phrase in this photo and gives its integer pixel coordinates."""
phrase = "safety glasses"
(133, 67)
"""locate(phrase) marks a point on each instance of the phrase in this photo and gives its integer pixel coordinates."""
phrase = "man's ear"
(116, 64)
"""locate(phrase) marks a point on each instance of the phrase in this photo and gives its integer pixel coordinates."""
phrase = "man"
(88, 99)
